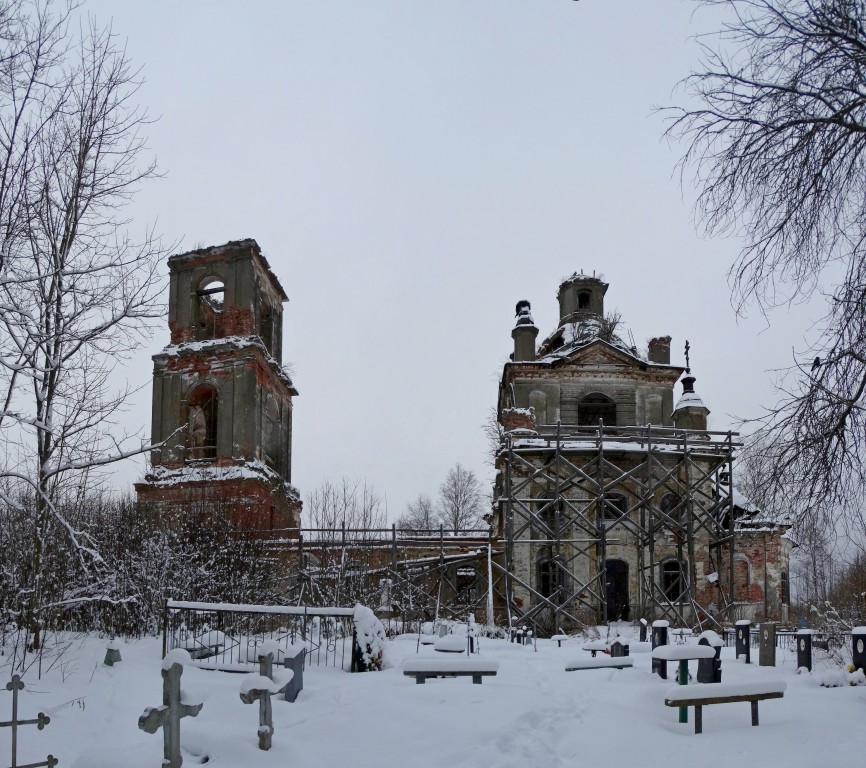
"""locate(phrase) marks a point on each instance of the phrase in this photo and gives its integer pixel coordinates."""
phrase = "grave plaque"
(743, 640)
(660, 637)
(858, 650)
(804, 649)
(767, 647)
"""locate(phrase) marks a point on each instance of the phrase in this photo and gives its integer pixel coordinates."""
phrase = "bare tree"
(420, 515)
(493, 434)
(344, 522)
(76, 292)
(347, 503)
(460, 499)
(777, 144)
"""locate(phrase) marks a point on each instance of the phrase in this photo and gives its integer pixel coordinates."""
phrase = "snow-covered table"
(450, 644)
(699, 696)
(594, 646)
(683, 654)
(422, 668)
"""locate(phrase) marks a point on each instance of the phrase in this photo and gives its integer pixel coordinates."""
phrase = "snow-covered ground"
(532, 713)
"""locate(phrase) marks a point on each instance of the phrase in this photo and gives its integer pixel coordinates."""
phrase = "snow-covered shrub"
(370, 643)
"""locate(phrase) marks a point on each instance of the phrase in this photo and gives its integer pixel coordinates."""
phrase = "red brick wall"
(250, 503)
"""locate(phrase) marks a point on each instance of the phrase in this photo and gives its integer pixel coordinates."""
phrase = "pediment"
(600, 353)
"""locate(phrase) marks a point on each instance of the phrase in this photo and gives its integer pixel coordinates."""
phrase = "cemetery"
(95, 700)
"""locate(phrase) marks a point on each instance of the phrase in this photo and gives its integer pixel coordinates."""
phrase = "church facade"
(614, 500)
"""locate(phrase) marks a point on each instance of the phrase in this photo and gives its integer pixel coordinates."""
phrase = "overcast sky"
(411, 170)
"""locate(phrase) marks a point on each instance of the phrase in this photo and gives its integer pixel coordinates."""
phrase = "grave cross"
(263, 696)
(40, 722)
(168, 716)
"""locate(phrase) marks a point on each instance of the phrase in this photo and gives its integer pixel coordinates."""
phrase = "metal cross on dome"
(688, 367)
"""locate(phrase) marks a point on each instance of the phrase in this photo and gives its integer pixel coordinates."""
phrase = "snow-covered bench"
(422, 668)
(699, 696)
(600, 662)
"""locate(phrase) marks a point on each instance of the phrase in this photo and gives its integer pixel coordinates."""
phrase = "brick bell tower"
(222, 402)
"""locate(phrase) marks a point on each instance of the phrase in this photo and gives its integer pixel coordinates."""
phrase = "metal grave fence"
(225, 636)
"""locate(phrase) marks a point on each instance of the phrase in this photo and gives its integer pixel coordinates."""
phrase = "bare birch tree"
(460, 499)
(776, 140)
(77, 293)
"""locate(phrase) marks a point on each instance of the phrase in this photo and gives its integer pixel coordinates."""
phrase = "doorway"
(616, 581)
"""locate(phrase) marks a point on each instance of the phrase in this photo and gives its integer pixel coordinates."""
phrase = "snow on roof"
(572, 336)
(162, 476)
(253, 342)
(689, 400)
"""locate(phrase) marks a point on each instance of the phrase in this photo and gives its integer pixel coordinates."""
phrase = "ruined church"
(614, 500)
(222, 401)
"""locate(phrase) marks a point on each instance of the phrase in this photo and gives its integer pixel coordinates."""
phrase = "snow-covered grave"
(531, 713)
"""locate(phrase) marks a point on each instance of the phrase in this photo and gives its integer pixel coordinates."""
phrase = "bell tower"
(222, 402)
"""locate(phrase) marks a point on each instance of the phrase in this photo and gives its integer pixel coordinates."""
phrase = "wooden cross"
(168, 716)
(40, 722)
(263, 696)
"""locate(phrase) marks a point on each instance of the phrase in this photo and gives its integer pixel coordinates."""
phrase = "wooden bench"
(699, 696)
(600, 662)
(422, 668)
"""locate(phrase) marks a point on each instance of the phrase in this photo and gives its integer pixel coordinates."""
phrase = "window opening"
(596, 407)
(266, 327)
(672, 508)
(550, 573)
(673, 581)
(211, 301)
(615, 507)
(202, 424)
(583, 299)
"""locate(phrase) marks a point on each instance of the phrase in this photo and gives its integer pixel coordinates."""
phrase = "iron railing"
(225, 635)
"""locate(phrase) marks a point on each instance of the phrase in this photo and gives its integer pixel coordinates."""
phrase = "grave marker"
(260, 688)
(168, 716)
(40, 722)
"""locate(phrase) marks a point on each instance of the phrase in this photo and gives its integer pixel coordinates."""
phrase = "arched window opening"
(673, 512)
(550, 574)
(583, 300)
(615, 507)
(594, 408)
(538, 402)
(266, 326)
(211, 301)
(202, 417)
(673, 582)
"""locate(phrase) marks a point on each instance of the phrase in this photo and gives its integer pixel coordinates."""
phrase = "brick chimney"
(659, 350)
